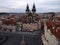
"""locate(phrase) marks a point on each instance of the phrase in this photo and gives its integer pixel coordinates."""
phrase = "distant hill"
(3, 13)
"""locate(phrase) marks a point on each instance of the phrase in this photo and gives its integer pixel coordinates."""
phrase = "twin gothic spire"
(27, 8)
(33, 8)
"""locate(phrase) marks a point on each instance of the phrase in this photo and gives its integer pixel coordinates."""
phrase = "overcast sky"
(20, 5)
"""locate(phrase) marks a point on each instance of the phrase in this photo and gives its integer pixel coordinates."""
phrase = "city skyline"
(19, 6)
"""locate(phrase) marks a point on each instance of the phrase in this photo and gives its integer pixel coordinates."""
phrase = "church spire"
(27, 8)
(34, 8)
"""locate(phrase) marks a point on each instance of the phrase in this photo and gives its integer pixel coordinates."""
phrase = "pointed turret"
(27, 8)
(34, 8)
(33, 11)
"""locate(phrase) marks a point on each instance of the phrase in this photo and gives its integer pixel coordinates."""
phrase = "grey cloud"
(5, 7)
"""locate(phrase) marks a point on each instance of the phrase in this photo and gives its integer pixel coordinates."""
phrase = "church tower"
(27, 10)
(34, 10)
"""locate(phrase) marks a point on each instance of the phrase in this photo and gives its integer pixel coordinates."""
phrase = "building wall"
(31, 26)
(9, 27)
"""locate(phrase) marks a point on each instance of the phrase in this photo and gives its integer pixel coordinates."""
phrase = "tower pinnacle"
(34, 8)
(27, 8)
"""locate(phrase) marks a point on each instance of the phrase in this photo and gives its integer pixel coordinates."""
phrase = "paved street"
(28, 38)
